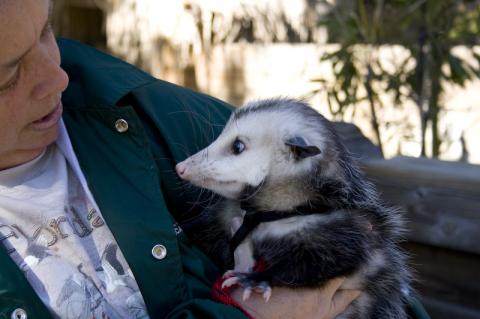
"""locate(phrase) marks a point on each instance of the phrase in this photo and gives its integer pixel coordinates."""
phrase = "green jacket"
(132, 178)
(131, 175)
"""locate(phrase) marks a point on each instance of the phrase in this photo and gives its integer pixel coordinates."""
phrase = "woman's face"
(31, 81)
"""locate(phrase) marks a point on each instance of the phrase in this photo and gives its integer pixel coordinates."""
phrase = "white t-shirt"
(55, 233)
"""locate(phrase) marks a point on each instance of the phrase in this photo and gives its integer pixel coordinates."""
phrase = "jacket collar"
(92, 66)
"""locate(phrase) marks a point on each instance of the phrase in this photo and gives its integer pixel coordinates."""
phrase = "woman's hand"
(300, 303)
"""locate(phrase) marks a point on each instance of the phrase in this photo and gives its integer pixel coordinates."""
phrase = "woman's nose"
(52, 79)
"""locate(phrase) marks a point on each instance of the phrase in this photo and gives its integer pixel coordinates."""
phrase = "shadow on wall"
(80, 20)
(234, 79)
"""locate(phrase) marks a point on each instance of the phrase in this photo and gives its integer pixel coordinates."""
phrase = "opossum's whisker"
(199, 121)
(205, 201)
(184, 149)
(197, 201)
(168, 171)
(196, 115)
(259, 188)
(159, 158)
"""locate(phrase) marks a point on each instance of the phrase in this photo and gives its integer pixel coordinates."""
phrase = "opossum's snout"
(187, 170)
(182, 170)
(210, 172)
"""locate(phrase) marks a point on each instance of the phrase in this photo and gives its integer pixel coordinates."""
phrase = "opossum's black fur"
(322, 251)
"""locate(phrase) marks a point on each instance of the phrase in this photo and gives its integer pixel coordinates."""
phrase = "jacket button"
(121, 125)
(19, 313)
(159, 252)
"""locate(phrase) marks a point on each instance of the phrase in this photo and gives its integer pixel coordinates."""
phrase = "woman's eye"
(238, 147)
(10, 84)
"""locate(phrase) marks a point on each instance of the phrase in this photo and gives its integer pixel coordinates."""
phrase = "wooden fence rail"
(442, 199)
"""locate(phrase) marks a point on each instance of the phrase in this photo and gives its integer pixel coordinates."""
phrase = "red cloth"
(223, 294)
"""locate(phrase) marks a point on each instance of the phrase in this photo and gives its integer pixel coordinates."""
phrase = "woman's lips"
(50, 119)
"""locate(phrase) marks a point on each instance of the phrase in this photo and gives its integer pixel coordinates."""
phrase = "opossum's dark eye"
(238, 147)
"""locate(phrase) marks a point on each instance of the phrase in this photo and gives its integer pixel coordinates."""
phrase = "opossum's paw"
(248, 284)
(231, 278)
(228, 274)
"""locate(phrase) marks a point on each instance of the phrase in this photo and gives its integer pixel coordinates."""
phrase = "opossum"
(307, 212)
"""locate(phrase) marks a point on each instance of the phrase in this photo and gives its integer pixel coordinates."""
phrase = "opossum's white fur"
(265, 154)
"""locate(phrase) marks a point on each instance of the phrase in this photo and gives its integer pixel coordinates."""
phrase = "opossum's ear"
(300, 148)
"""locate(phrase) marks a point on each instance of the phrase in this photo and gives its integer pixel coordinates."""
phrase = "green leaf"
(459, 71)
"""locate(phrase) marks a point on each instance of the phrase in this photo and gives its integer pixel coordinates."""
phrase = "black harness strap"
(253, 218)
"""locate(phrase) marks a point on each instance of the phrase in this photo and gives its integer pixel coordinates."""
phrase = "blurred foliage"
(427, 29)
(253, 22)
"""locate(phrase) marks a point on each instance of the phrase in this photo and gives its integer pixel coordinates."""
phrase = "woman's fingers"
(342, 299)
(332, 286)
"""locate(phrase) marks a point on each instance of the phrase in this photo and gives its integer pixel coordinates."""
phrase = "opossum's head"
(271, 141)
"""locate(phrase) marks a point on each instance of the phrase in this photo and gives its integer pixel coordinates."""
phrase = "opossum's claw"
(259, 287)
(233, 277)
(267, 291)
(230, 282)
(228, 274)
(263, 288)
(246, 293)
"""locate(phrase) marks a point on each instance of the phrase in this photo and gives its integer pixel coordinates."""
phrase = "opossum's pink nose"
(181, 169)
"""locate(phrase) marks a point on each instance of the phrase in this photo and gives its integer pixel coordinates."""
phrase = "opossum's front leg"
(309, 256)
(244, 264)
(243, 254)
